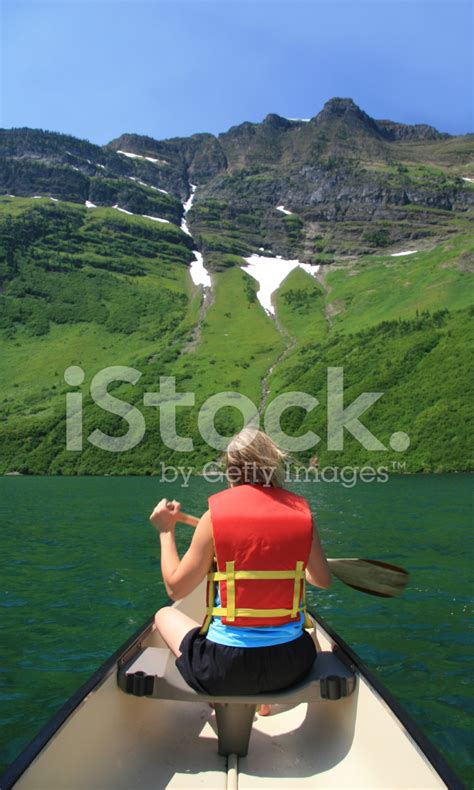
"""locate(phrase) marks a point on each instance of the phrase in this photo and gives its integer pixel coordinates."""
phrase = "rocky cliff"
(341, 183)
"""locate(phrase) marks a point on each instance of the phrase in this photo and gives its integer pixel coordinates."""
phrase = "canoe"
(136, 724)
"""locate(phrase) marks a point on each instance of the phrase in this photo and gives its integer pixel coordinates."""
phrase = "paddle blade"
(371, 576)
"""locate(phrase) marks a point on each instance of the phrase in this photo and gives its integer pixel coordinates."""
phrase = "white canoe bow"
(105, 738)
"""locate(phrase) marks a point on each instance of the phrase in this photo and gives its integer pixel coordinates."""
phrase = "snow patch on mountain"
(270, 273)
(149, 186)
(156, 219)
(187, 206)
(148, 158)
(199, 273)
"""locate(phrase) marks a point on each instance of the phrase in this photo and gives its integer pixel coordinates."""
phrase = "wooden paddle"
(369, 576)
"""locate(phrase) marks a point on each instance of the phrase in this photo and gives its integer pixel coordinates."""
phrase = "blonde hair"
(252, 457)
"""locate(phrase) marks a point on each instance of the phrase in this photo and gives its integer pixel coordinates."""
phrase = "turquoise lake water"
(80, 572)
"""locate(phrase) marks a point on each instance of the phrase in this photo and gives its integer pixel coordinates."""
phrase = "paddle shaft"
(369, 576)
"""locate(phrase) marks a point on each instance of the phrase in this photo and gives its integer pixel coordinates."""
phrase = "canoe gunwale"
(343, 651)
(347, 655)
(14, 771)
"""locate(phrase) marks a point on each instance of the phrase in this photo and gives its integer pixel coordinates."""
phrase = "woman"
(265, 546)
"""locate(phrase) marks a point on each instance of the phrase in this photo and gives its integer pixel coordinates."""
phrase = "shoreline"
(387, 470)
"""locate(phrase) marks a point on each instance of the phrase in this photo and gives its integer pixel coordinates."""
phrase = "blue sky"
(98, 68)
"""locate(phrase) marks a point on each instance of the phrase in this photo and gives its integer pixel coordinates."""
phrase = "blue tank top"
(261, 636)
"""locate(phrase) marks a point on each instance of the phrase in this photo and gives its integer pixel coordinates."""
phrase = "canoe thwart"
(152, 673)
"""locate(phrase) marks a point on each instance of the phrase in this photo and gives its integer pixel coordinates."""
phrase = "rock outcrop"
(341, 174)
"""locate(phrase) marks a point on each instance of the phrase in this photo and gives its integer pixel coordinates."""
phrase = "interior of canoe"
(115, 740)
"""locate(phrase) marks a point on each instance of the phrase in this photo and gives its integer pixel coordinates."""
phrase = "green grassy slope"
(123, 298)
(237, 345)
(89, 288)
(401, 326)
(382, 288)
(97, 288)
(421, 366)
(239, 341)
(449, 154)
(300, 307)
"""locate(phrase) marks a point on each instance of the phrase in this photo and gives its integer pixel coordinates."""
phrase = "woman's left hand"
(165, 515)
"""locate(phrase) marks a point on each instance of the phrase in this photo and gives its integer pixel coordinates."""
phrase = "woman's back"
(263, 534)
(262, 537)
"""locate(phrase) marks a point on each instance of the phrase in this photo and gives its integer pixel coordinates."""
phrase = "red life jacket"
(262, 538)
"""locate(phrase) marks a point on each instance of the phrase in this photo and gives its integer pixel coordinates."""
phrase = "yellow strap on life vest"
(230, 582)
(222, 611)
(230, 575)
(211, 599)
(297, 588)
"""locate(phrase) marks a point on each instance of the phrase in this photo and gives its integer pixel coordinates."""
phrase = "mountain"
(339, 167)
(94, 272)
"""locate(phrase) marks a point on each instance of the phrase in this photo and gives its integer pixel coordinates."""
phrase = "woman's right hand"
(165, 515)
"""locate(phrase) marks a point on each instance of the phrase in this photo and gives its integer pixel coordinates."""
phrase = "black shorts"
(210, 668)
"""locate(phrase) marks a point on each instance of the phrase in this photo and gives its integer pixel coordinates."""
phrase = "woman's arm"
(317, 568)
(182, 576)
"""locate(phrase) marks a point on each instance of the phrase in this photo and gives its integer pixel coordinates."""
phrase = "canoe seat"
(151, 672)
